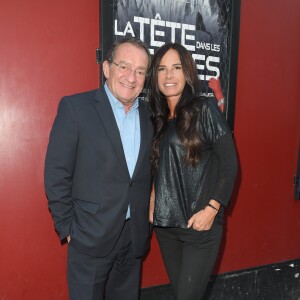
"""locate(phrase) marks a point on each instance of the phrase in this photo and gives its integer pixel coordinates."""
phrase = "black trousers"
(189, 257)
(114, 277)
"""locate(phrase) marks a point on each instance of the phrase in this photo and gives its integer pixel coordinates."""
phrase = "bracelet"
(210, 205)
(220, 102)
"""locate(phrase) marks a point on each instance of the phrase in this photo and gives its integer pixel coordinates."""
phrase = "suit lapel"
(106, 114)
(144, 123)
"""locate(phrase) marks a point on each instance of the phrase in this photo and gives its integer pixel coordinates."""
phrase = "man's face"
(125, 75)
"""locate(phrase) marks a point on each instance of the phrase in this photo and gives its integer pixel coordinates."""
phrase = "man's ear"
(106, 68)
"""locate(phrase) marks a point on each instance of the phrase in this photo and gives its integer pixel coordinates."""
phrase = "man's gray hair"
(136, 42)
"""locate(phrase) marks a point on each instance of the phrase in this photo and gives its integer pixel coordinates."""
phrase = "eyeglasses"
(126, 70)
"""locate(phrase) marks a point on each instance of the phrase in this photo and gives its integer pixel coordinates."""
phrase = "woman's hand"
(151, 210)
(151, 205)
(204, 219)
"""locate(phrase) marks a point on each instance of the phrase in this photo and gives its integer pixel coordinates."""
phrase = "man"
(97, 178)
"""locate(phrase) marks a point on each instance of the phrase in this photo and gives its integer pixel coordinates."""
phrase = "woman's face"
(171, 80)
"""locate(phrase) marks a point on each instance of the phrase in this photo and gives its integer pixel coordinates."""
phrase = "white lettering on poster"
(159, 29)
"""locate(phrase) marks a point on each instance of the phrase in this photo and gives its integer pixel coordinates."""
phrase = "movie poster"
(204, 27)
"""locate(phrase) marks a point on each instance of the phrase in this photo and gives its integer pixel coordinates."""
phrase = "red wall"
(48, 50)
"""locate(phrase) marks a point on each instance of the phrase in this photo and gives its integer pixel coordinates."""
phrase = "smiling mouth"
(169, 84)
(127, 86)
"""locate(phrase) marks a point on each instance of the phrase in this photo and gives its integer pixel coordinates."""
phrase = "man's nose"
(131, 76)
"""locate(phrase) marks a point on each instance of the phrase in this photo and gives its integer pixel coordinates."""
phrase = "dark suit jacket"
(86, 176)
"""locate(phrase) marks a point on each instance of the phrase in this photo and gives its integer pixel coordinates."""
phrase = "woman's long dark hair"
(186, 111)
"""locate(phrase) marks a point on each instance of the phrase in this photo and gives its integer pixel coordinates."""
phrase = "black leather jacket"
(180, 190)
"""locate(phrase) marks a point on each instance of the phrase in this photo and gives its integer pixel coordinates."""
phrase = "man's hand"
(68, 239)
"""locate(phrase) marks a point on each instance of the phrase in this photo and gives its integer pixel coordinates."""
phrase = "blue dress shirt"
(129, 128)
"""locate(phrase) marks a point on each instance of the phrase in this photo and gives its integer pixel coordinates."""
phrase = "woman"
(194, 165)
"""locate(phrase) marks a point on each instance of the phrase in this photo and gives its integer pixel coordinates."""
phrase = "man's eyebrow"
(129, 64)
